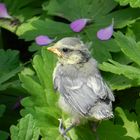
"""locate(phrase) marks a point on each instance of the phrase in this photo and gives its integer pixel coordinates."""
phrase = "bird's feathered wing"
(82, 89)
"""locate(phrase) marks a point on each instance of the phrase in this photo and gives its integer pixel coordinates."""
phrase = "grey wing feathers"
(80, 96)
(80, 92)
(99, 87)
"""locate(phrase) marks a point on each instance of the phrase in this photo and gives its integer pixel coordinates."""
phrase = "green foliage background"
(30, 81)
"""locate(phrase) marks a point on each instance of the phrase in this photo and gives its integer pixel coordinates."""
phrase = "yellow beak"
(54, 50)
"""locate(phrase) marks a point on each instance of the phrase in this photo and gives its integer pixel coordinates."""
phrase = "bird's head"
(70, 50)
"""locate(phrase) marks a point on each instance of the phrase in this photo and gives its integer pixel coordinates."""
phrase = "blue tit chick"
(83, 92)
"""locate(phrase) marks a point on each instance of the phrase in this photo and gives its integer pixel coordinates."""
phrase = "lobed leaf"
(128, 46)
(42, 100)
(133, 3)
(83, 8)
(26, 129)
(9, 67)
(130, 123)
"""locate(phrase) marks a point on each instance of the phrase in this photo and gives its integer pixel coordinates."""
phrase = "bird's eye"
(65, 49)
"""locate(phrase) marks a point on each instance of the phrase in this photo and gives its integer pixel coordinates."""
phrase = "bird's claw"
(61, 127)
(62, 130)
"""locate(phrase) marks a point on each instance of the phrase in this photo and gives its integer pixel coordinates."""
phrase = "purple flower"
(43, 40)
(3, 11)
(105, 33)
(78, 24)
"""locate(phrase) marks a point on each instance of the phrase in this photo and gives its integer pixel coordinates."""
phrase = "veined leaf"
(129, 47)
(9, 75)
(108, 131)
(42, 102)
(26, 129)
(35, 89)
(117, 82)
(130, 123)
(133, 3)
(48, 27)
(9, 67)
(42, 64)
(135, 28)
(82, 8)
(130, 72)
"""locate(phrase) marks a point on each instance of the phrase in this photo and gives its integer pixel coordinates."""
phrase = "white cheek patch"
(74, 58)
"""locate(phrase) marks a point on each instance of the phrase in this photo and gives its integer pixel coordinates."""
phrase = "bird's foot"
(62, 130)
(94, 129)
(95, 126)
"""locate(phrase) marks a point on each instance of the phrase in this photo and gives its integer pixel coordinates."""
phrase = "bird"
(83, 92)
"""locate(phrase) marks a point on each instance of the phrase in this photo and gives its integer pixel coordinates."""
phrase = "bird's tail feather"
(102, 111)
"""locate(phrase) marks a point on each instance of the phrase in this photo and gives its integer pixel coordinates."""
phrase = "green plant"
(29, 81)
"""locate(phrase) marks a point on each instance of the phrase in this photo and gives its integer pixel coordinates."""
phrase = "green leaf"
(9, 67)
(108, 131)
(23, 9)
(128, 46)
(87, 133)
(34, 47)
(74, 9)
(130, 123)
(27, 26)
(121, 58)
(7, 24)
(42, 101)
(133, 3)
(9, 60)
(104, 54)
(26, 129)
(35, 89)
(9, 75)
(47, 27)
(131, 54)
(117, 82)
(3, 135)
(130, 72)
(130, 33)
(99, 11)
(135, 28)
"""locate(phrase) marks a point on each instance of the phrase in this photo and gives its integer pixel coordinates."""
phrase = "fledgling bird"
(84, 94)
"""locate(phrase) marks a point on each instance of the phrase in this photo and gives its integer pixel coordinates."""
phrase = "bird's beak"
(54, 50)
